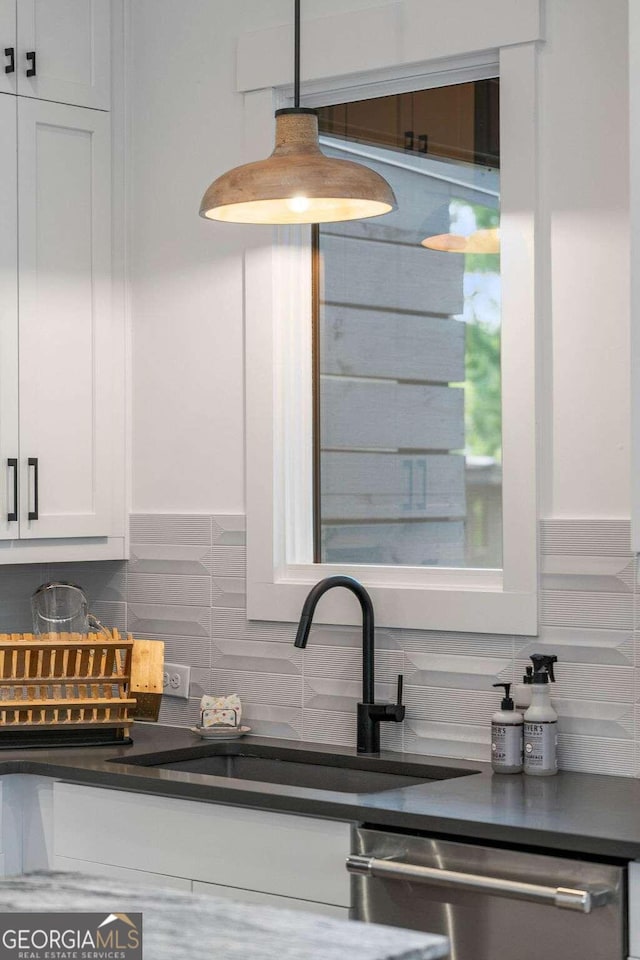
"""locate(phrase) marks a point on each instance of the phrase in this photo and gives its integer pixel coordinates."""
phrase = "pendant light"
(480, 241)
(297, 183)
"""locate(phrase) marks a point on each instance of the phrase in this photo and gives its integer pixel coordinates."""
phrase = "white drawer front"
(270, 900)
(69, 865)
(276, 853)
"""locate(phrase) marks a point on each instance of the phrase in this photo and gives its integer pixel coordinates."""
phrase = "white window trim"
(634, 186)
(278, 403)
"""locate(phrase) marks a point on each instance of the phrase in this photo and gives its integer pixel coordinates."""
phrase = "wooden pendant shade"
(480, 241)
(297, 183)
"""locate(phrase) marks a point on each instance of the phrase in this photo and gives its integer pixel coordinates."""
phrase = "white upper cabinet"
(65, 320)
(8, 320)
(71, 43)
(61, 342)
(8, 64)
(57, 50)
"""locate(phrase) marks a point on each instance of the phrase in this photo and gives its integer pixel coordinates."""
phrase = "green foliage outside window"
(483, 421)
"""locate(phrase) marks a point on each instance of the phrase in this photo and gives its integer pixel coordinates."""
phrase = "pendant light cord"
(296, 54)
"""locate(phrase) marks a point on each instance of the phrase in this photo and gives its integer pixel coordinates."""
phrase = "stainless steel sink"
(296, 767)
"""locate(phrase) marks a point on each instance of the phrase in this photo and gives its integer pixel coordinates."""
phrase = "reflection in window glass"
(407, 385)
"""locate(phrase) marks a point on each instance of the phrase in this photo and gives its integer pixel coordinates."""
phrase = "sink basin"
(296, 767)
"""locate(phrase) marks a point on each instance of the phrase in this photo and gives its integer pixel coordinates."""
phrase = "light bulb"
(298, 204)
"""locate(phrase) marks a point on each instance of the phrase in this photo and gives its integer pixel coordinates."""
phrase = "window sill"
(475, 607)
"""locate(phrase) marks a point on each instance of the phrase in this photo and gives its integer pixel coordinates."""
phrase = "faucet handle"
(396, 711)
(379, 712)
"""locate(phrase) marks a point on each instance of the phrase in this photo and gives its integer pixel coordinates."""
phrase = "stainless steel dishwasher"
(490, 902)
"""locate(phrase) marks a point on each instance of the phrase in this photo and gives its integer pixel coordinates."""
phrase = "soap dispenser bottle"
(506, 735)
(541, 721)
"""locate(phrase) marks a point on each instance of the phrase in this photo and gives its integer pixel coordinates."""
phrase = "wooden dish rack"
(65, 688)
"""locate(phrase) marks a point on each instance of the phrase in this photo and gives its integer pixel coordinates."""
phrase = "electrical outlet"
(175, 680)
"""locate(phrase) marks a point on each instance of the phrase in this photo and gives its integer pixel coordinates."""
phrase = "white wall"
(187, 273)
(585, 428)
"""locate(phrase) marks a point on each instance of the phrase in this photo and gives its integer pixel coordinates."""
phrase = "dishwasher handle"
(567, 898)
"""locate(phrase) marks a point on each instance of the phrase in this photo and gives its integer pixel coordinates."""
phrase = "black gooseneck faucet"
(370, 713)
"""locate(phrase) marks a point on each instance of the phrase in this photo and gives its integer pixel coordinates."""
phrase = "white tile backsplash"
(587, 617)
(185, 584)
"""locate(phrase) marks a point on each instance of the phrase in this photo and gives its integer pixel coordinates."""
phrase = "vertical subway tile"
(585, 537)
(228, 561)
(170, 528)
(192, 651)
(278, 690)
(257, 656)
(169, 619)
(228, 530)
(228, 592)
(266, 720)
(177, 559)
(179, 713)
(186, 589)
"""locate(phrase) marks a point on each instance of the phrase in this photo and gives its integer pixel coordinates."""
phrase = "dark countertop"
(178, 926)
(571, 812)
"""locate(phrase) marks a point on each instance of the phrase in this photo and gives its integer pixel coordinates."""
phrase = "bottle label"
(506, 745)
(540, 745)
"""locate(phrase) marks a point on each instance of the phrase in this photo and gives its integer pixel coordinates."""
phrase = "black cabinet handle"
(423, 143)
(31, 58)
(12, 464)
(33, 514)
(408, 139)
(11, 54)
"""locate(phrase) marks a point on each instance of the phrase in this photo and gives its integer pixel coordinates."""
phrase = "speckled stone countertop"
(179, 926)
(571, 812)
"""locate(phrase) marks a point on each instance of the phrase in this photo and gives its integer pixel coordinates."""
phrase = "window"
(492, 585)
(407, 385)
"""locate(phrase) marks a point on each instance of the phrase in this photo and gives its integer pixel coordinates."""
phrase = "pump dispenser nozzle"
(506, 735)
(507, 702)
(543, 667)
(541, 721)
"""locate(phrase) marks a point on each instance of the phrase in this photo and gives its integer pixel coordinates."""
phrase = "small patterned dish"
(221, 733)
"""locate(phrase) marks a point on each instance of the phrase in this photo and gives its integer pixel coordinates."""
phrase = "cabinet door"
(65, 320)
(71, 41)
(8, 317)
(8, 43)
